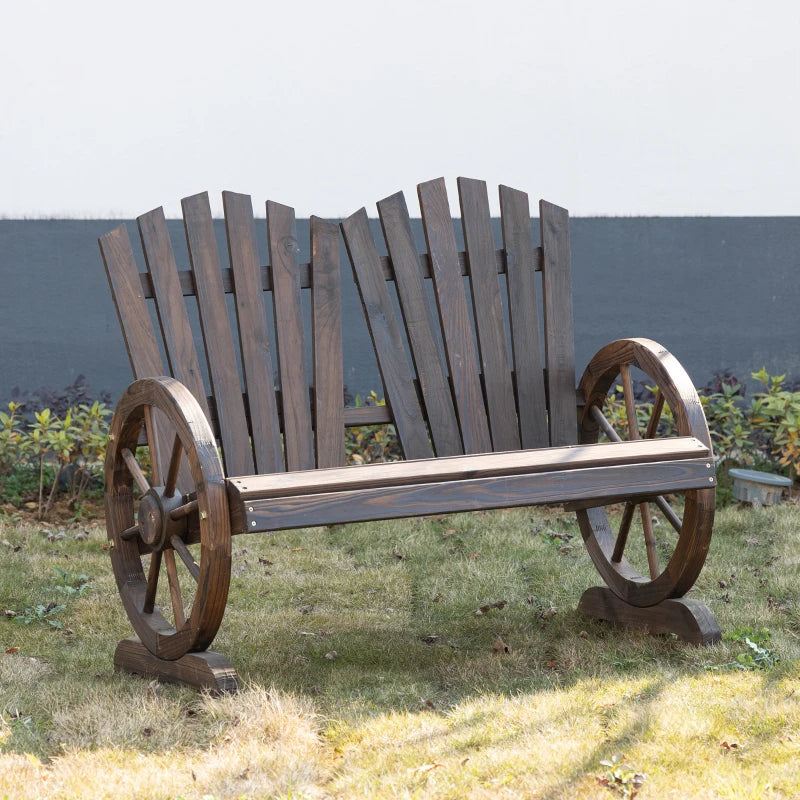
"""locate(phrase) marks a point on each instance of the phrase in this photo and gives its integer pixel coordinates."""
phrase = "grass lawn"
(367, 673)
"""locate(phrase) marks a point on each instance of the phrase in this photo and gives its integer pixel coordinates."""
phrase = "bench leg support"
(210, 671)
(689, 619)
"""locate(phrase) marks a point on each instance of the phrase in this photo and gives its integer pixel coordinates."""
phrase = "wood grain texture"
(523, 311)
(689, 619)
(455, 317)
(326, 320)
(217, 338)
(420, 326)
(386, 336)
(484, 465)
(257, 363)
(297, 425)
(559, 342)
(488, 312)
(211, 672)
(506, 491)
(172, 316)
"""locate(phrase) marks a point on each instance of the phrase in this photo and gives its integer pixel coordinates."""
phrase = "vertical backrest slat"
(488, 310)
(419, 322)
(327, 332)
(455, 316)
(559, 342)
(126, 291)
(172, 316)
(140, 337)
(257, 364)
(283, 249)
(386, 336)
(523, 314)
(217, 339)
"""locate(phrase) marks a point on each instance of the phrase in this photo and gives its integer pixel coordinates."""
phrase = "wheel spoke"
(672, 517)
(152, 583)
(135, 470)
(649, 540)
(183, 551)
(630, 402)
(622, 536)
(152, 441)
(655, 417)
(174, 589)
(130, 533)
(174, 467)
(184, 510)
(605, 425)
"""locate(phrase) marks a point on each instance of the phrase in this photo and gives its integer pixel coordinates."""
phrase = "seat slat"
(419, 322)
(217, 338)
(172, 316)
(384, 329)
(488, 311)
(327, 333)
(257, 363)
(397, 473)
(283, 249)
(390, 502)
(455, 316)
(526, 342)
(559, 340)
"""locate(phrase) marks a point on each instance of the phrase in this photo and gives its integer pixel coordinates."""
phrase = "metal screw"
(203, 515)
(250, 509)
(111, 437)
(253, 524)
(711, 480)
(708, 466)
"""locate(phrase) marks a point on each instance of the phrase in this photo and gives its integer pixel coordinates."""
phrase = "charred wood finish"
(479, 388)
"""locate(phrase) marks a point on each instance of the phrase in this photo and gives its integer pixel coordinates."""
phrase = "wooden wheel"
(174, 604)
(667, 558)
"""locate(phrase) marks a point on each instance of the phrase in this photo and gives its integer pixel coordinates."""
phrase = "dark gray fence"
(720, 293)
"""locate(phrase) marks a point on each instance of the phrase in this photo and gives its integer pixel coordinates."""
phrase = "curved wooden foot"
(211, 671)
(689, 619)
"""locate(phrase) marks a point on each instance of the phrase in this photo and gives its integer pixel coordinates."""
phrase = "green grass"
(418, 703)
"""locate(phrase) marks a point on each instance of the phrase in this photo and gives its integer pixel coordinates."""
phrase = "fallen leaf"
(429, 704)
(397, 554)
(79, 537)
(546, 613)
(332, 656)
(12, 650)
(500, 646)
(449, 532)
(437, 598)
(472, 556)
(431, 638)
(464, 761)
(489, 606)
(726, 746)
(428, 767)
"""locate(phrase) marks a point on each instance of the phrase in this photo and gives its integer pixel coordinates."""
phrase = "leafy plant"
(13, 443)
(758, 654)
(39, 613)
(71, 584)
(619, 777)
(370, 444)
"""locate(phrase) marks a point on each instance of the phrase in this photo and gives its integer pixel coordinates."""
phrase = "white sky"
(605, 107)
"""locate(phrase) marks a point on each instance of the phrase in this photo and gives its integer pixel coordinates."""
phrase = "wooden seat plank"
(504, 491)
(419, 323)
(327, 333)
(384, 329)
(523, 312)
(217, 338)
(455, 317)
(559, 340)
(172, 316)
(257, 363)
(283, 249)
(488, 312)
(397, 473)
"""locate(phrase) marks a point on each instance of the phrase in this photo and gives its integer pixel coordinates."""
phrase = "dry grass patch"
(419, 701)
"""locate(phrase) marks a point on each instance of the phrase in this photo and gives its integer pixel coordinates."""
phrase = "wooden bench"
(482, 397)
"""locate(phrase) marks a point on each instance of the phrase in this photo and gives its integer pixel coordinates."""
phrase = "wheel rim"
(177, 514)
(668, 559)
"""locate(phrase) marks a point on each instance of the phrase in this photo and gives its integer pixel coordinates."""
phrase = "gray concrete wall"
(720, 293)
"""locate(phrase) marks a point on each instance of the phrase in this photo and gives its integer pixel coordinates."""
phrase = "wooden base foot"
(211, 671)
(687, 618)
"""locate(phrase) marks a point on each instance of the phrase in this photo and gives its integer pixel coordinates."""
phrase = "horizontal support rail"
(452, 496)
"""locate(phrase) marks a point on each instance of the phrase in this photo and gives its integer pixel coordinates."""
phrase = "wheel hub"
(155, 523)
